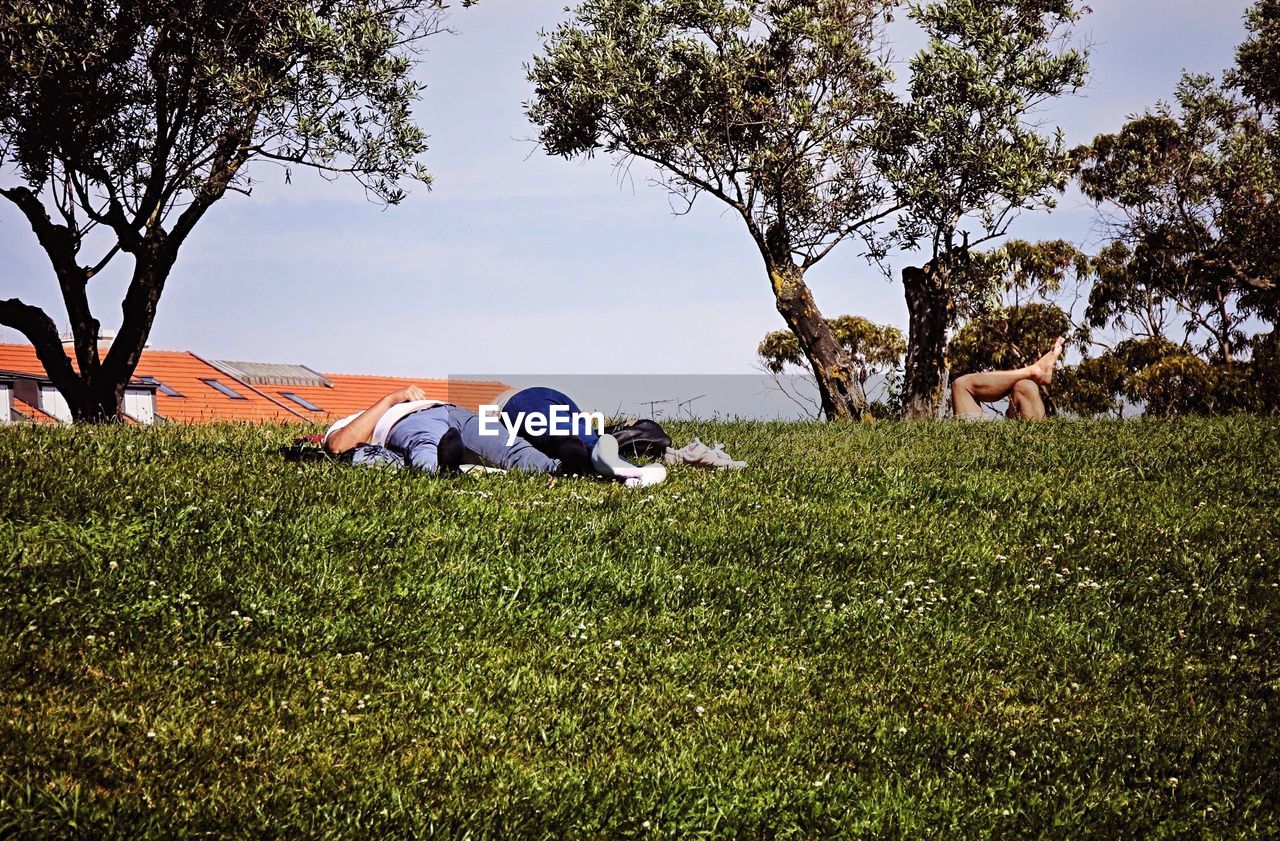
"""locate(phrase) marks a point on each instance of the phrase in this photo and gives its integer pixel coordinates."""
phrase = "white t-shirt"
(388, 419)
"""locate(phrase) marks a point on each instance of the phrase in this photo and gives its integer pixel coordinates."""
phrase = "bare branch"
(38, 327)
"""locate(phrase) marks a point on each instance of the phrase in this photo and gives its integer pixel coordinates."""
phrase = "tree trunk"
(838, 387)
(96, 395)
(91, 396)
(928, 300)
(94, 390)
(150, 272)
(1224, 329)
(99, 404)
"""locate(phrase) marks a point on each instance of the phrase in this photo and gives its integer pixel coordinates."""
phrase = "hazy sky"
(519, 263)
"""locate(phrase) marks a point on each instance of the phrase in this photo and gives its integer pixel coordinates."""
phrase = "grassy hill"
(1059, 629)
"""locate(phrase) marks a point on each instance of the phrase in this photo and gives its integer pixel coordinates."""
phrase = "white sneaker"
(691, 453)
(607, 462)
(650, 474)
(718, 458)
(605, 458)
(696, 452)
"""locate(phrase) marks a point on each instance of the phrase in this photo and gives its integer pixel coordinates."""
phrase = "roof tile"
(185, 373)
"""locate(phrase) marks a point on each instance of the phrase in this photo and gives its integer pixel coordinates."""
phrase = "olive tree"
(785, 110)
(123, 122)
(964, 153)
(769, 106)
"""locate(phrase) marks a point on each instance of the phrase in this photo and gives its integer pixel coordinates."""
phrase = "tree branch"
(114, 217)
(60, 244)
(849, 229)
(90, 271)
(38, 327)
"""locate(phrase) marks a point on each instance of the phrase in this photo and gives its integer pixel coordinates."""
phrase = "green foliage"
(1061, 629)
(781, 108)
(963, 145)
(1190, 192)
(1265, 370)
(1018, 272)
(1041, 268)
(766, 106)
(1100, 384)
(874, 348)
(1006, 338)
(1257, 72)
(1194, 192)
(135, 100)
(1185, 384)
(1092, 387)
(1166, 380)
(1140, 354)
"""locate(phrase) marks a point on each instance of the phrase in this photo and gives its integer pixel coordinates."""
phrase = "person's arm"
(360, 430)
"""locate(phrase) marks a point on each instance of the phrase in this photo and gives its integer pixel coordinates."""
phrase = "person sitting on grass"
(435, 437)
(1021, 386)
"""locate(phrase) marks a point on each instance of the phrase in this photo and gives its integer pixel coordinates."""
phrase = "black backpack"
(640, 438)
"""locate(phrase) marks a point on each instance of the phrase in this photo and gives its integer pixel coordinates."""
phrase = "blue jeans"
(572, 450)
(416, 437)
(539, 400)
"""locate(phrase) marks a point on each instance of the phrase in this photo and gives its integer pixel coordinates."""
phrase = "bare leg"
(971, 389)
(988, 387)
(1025, 401)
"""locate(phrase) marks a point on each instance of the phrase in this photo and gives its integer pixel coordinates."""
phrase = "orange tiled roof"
(185, 373)
(354, 393)
(200, 402)
(30, 412)
(20, 358)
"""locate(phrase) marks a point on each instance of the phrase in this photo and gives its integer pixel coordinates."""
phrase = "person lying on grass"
(433, 436)
(1021, 386)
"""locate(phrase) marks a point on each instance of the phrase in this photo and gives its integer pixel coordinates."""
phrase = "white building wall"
(140, 404)
(53, 403)
(6, 403)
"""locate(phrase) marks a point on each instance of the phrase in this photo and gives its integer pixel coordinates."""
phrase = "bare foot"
(1042, 368)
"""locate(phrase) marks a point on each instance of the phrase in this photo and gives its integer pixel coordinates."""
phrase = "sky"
(518, 263)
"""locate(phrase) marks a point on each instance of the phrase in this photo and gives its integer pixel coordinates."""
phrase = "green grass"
(1062, 629)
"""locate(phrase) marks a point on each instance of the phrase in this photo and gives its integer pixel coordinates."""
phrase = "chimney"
(105, 338)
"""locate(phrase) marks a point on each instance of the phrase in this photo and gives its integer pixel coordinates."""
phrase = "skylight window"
(225, 389)
(164, 389)
(302, 401)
